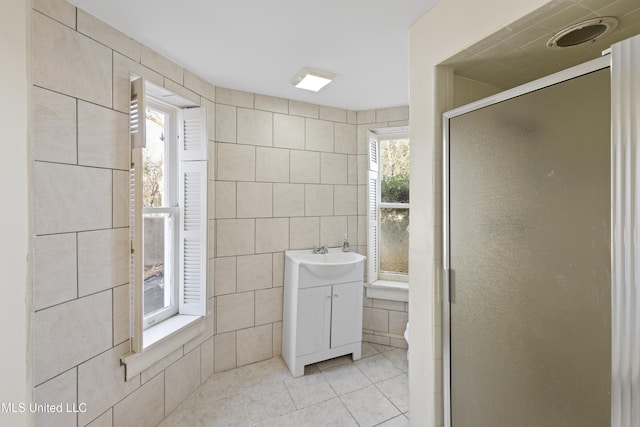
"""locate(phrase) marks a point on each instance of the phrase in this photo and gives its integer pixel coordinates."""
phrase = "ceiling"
(518, 53)
(258, 45)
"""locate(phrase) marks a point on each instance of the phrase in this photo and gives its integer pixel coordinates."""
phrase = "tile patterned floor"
(372, 391)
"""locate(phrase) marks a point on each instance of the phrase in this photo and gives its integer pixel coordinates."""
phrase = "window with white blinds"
(168, 212)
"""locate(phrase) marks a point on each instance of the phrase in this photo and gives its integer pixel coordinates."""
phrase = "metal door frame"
(568, 74)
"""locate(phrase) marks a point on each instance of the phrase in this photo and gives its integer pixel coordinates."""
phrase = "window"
(388, 210)
(168, 223)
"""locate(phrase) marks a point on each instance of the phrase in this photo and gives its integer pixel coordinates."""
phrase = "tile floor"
(372, 391)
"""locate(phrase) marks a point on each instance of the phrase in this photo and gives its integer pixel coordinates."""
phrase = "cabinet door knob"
(335, 295)
(328, 296)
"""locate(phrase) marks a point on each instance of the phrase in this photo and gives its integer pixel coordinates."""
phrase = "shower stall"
(539, 251)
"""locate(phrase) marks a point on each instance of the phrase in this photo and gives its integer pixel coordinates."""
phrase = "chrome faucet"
(320, 250)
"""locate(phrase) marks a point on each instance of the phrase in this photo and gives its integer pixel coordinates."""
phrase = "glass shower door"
(529, 250)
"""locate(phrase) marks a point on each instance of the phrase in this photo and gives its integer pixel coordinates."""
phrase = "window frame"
(170, 207)
(376, 136)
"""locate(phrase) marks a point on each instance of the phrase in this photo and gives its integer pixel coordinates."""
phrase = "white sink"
(332, 265)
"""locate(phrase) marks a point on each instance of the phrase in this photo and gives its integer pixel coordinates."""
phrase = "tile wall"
(283, 175)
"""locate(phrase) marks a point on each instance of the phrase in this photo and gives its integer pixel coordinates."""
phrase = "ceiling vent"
(583, 32)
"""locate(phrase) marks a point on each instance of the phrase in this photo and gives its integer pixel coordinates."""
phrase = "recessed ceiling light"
(312, 79)
(583, 32)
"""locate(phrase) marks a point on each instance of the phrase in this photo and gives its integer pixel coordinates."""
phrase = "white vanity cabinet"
(322, 315)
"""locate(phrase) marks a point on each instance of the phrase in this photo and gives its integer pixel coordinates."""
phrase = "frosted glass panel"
(530, 254)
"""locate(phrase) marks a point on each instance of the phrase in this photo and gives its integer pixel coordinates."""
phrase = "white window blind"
(372, 212)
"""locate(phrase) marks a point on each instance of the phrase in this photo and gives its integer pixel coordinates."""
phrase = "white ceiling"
(258, 45)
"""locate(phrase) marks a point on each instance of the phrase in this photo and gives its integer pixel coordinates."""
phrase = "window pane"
(153, 158)
(157, 261)
(394, 240)
(394, 161)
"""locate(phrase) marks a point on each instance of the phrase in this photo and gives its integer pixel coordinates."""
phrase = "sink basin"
(332, 265)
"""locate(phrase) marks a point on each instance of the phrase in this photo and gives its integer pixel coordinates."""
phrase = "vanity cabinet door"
(314, 320)
(346, 317)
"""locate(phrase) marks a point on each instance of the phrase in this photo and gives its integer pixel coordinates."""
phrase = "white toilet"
(406, 338)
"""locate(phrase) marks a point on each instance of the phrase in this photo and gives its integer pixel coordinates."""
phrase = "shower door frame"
(568, 74)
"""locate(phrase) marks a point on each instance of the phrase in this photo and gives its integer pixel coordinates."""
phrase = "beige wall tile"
(268, 306)
(278, 269)
(224, 351)
(389, 305)
(366, 116)
(332, 114)
(104, 420)
(225, 199)
(375, 319)
(199, 85)
(70, 333)
(363, 229)
(183, 377)
(271, 103)
(206, 359)
(162, 364)
(59, 210)
(180, 90)
(272, 164)
(353, 231)
(363, 169)
(60, 10)
(352, 169)
(225, 276)
(346, 141)
(120, 198)
(121, 311)
(254, 344)
(101, 382)
(54, 270)
(304, 109)
(318, 200)
(398, 322)
(345, 200)
(122, 66)
(211, 238)
(288, 200)
(152, 59)
(235, 237)
(375, 339)
(225, 123)
(107, 35)
(103, 137)
(332, 230)
(142, 408)
(255, 127)
(305, 167)
(103, 260)
(234, 97)
(288, 131)
(333, 168)
(304, 233)
(277, 339)
(255, 199)
(362, 199)
(234, 311)
(54, 127)
(392, 114)
(319, 135)
(60, 62)
(254, 272)
(236, 162)
(272, 235)
(352, 117)
(210, 106)
(60, 390)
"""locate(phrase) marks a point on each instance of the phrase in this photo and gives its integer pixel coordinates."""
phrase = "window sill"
(389, 290)
(160, 340)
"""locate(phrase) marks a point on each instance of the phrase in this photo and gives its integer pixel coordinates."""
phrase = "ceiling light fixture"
(312, 79)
